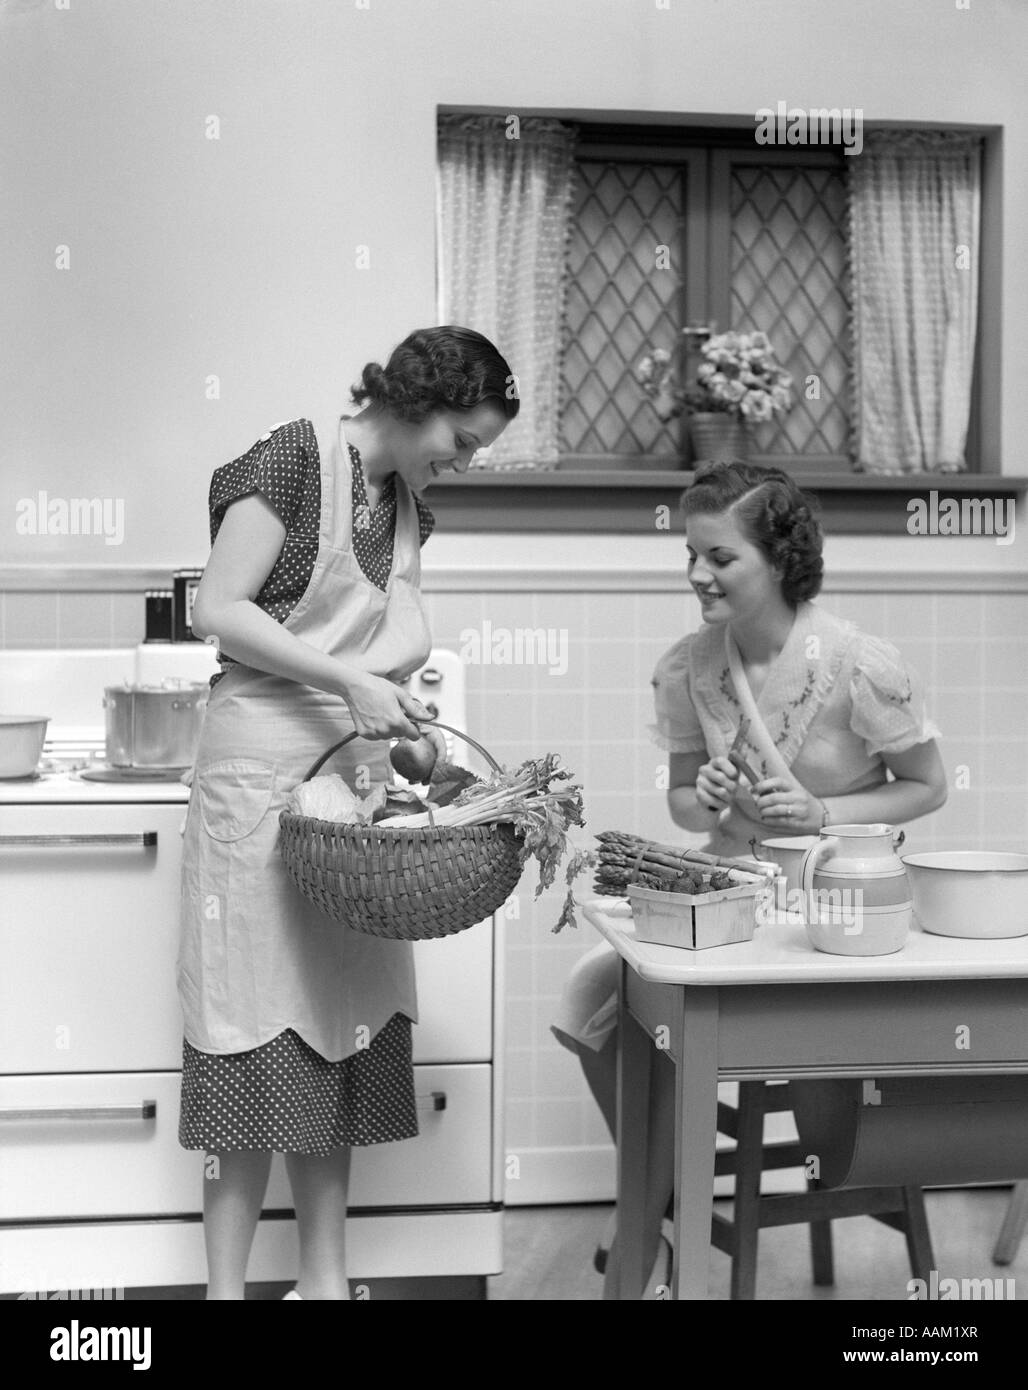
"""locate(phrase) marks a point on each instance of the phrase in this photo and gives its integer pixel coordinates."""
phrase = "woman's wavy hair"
(773, 513)
(447, 368)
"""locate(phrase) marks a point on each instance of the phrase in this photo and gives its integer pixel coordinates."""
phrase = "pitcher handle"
(899, 838)
(811, 859)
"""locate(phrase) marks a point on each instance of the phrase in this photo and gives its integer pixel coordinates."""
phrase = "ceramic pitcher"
(856, 893)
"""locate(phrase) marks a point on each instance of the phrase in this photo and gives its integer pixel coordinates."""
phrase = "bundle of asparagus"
(619, 854)
(622, 859)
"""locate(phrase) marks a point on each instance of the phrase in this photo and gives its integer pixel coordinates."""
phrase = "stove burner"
(132, 774)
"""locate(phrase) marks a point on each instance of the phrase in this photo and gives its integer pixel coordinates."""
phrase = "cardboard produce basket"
(696, 922)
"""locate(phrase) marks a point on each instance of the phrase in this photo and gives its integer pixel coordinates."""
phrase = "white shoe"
(292, 1294)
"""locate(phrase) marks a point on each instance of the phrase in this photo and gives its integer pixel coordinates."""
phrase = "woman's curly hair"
(447, 368)
(773, 513)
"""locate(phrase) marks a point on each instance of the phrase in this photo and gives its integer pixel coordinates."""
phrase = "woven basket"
(410, 885)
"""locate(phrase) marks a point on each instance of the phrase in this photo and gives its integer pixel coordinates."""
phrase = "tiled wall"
(50, 619)
(971, 649)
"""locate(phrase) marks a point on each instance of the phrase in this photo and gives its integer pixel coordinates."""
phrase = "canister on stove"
(159, 615)
(186, 584)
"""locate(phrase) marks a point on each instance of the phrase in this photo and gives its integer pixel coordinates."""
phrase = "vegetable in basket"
(528, 798)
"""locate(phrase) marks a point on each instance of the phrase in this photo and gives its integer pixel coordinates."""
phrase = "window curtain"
(914, 232)
(504, 199)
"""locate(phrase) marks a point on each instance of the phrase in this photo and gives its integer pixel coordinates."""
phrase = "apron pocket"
(234, 796)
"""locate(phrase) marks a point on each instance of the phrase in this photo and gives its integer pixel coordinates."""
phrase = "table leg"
(626, 1274)
(695, 1139)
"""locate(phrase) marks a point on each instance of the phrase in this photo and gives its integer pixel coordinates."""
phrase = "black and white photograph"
(514, 662)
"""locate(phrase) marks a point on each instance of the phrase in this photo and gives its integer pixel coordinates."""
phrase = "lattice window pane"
(788, 278)
(619, 304)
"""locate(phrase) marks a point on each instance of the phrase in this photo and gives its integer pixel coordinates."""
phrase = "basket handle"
(422, 723)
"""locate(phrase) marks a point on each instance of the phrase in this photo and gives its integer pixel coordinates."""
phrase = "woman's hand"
(381, 709)
(786, 805)
(716, 784)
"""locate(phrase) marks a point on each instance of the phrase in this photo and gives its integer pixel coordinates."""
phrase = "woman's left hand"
(786, 805)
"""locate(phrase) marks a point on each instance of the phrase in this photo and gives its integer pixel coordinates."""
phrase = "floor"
(549, 1257)
(549, 1253)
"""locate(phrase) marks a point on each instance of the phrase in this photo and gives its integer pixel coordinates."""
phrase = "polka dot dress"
(284, 1097)
(285, 467)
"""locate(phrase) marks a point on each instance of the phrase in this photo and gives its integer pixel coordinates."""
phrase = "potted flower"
(738, 383)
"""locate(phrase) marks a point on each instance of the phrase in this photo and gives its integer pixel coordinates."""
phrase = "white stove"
(95, 1192)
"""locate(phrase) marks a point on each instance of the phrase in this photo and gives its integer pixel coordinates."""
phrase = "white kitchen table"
(773, 1009)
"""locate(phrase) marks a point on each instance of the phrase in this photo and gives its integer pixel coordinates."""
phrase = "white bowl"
(787, 852)
(21, 742)
(969, 893)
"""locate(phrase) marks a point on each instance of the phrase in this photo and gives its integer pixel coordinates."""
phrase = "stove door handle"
(142, 1110)
(143, 839)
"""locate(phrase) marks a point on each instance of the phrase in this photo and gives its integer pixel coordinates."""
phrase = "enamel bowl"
(21, 742)
(969, 893)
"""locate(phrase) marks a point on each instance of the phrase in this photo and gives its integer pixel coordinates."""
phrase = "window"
(755, 238)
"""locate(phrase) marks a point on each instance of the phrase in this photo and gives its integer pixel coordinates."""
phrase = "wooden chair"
(899, 1207)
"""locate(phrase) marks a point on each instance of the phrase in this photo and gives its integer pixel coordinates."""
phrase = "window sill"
(625, 500)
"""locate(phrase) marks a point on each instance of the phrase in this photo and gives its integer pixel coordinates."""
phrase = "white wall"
(236, 257)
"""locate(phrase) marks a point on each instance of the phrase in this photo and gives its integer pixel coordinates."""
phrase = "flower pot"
(718, 437)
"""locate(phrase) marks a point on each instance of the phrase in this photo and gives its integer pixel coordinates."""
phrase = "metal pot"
(21, 741)
(154, 726)
(972, 893)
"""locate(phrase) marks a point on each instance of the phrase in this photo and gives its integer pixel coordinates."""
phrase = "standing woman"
(297, 1030)
(838, 732)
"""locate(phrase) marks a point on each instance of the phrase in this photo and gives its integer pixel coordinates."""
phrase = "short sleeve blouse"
(833, 718)
(284, 466)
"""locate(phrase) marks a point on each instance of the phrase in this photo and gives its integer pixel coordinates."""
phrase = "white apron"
(255, 957)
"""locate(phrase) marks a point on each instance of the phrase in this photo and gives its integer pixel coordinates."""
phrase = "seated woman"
(845, 736)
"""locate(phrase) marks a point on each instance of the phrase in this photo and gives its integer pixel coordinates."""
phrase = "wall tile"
(563, 611)
(558, 1123)
(1008, 808)
(960, 615)
(519, 1123)
(451, 614)
(616, 618)
(616, 766)
(128, 619)
(559, 1076)
(1003, 615)
(909, 615)
(520, 1078)
(611, 665)
(519, 970)
(30, 620)
(956, 711)
(1006, 664)
(1003, 712)
(1004, 764)
(957, 663)
(84, 620)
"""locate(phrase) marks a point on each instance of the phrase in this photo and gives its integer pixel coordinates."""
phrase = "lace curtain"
(504, 202)
(914, 234)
